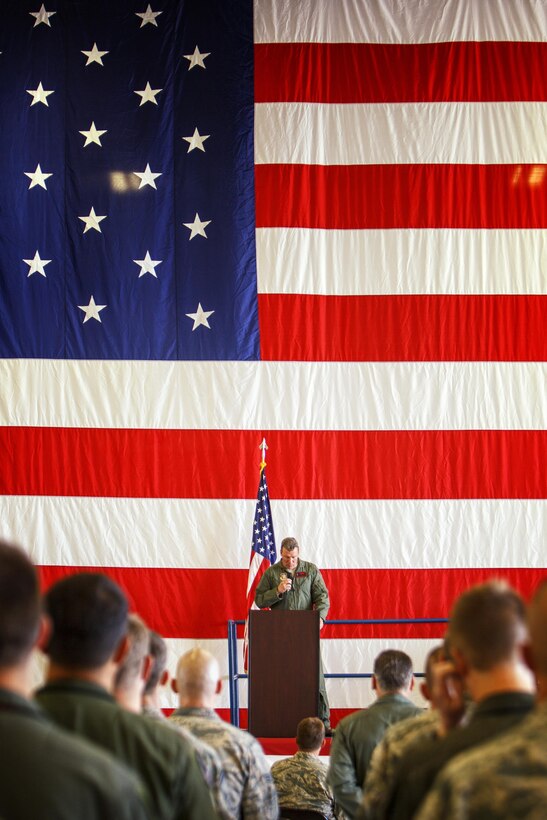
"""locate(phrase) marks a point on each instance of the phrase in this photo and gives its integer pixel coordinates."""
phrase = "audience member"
(505, 778)
(358, 734)
(89, 614)
(153, 668)
(397, 739)
(301, 780)
(249, 788)
(44, 771)
(487, 635)
(157, 677)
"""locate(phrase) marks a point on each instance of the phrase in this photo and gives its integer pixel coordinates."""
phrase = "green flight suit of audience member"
(44, 771)
(89, 615)
(358, 734)
(306, 590)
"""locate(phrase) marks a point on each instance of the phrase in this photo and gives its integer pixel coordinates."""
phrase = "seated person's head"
(157, 650)
(488, 626)
(310, 734)
(89, 620)
(393, 671)
(131, 669)
(20, 606)
(537, 621)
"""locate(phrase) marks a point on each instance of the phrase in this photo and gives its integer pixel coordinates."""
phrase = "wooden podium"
(283, 670)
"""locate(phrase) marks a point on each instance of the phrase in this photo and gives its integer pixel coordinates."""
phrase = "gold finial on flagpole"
(263, 446)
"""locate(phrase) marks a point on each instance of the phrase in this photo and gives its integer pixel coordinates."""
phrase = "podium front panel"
(283, 670)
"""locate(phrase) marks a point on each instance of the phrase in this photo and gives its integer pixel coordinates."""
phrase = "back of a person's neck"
(102, 676)
(17, 679)
(502, 680)
(195, 703)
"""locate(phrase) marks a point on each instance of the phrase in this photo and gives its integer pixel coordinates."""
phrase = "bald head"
(198, 678)
(537, 622)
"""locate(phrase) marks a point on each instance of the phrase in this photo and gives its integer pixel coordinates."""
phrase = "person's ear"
(460, 663)
(174, 686)
(374, 684)
(121, 650)
(218, 687)
(528, 655)
(147, 666)
(412, 682)
(44, 633)
(164, 678)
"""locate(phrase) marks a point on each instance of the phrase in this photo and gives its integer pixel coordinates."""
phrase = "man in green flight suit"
(295, 584)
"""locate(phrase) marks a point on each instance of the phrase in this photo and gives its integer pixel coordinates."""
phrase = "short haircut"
(393, 670)
(19, 605)
(290, 544)
(310, 734)
(197, 674)
(130, 668)
(487, 624)
(89, 616)
(435, 655)
(157, 649)
(537, 620)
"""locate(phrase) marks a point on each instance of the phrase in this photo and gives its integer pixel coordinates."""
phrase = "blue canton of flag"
(127, 170)
(263, 542)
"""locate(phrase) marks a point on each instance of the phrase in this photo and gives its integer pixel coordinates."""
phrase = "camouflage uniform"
(248, 787)
(208, 760)
(308, 592)
(419, 766)
(356, 737)
(301, 783)
(380, 775)
(501, 780)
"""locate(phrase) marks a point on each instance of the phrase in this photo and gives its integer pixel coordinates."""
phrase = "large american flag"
(319, 221)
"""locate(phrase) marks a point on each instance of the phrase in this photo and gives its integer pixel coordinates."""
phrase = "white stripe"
(393, 21)
(446, 133)
(343, 656)
(199, 533)
(273, 395)
(355, 263)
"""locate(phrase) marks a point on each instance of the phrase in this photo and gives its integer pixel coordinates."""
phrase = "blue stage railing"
(235, 676)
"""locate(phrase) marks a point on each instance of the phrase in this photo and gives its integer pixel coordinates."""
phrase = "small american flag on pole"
(263, 551)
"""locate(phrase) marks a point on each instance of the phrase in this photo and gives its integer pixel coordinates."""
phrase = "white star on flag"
(37, 177)
(200, 317)
(95, 56)
(92, 221)
(93, 135)
(39, 95)
(196, 58)
(196, 141)
(147, 177)
(42, 16)
(148, 94)
(197, 226)
(91, 310)
(148, 16)
(147, 265)
(36, 265)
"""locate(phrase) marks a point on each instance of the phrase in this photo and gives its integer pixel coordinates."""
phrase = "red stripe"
(183, 603)
(401, 196)
(376, 73)
(403, 328)
(200, 463)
